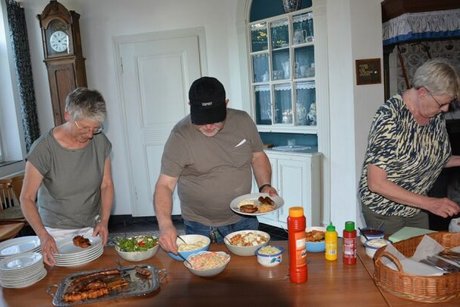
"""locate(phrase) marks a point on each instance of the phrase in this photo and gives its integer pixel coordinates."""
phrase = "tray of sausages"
(101, 285)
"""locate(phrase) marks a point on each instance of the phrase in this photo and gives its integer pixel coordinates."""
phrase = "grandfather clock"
(63, 54)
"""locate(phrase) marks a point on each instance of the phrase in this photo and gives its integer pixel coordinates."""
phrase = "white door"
(155, 77)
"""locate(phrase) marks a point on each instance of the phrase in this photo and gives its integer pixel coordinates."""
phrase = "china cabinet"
(296, 176)
(282, 69)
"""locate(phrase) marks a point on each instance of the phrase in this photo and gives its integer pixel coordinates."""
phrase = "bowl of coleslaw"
(206, 263)
(136, 248)
(246, 242)
(190, 245)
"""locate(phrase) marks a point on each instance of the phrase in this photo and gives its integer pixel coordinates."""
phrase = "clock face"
(59, 41)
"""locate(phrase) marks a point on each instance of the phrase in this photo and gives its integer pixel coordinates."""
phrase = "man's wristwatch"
(263, 186)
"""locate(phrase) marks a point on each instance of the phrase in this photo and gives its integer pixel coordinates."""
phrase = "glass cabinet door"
(259, 37)
(263, 105)
(280, 34)
(305, 103)
(302, 28)
(283, 105)
(304, 59)
(282, 60)
(260, 67)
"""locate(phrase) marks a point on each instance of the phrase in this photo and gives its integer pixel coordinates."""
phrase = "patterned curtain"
(20, 45)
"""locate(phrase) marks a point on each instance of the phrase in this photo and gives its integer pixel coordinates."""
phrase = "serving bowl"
(133, 248)
(371, 233)
(315, 239)
(269, 256)
(246, 242)
(373, 245)
(207, 264)
(194, 243)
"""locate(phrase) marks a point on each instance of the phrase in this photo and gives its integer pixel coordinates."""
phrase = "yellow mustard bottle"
(331, 243)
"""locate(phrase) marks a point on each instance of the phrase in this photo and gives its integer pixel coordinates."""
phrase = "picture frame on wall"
(368, 71)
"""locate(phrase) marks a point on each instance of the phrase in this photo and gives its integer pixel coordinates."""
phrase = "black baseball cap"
(207, 101)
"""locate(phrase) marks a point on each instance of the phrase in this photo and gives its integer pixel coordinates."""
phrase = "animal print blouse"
(412, 155)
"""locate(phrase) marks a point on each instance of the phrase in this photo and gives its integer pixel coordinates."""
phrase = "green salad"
(136, 244)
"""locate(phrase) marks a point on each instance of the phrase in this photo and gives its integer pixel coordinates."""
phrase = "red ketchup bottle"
(349, 243)
(298, 271)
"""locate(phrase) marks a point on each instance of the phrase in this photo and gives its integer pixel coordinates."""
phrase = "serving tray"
(138, 285)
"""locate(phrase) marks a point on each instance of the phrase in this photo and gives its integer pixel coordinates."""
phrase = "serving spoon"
(179, 237)
(185, 260)
(363, 234)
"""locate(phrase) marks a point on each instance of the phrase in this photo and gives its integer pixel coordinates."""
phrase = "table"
(243, 283)
(391, 299)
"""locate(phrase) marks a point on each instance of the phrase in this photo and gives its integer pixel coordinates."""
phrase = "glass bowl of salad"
(137, 248)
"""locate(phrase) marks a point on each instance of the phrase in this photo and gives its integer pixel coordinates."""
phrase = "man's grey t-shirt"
(70, 195)
(212, 171)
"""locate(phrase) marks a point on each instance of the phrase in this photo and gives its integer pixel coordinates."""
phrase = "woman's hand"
(49, 248)
(102, 230)
(442, 206)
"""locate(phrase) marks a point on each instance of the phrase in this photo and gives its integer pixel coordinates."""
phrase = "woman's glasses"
(452, 102)
(88, 129)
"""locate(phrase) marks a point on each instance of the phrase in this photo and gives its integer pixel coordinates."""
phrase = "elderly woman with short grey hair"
(408, 146)
(68, 188)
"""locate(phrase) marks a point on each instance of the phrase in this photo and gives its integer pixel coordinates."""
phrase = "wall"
(100, 22)
(354, 31)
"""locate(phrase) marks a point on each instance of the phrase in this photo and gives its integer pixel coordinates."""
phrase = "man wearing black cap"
(210, 155)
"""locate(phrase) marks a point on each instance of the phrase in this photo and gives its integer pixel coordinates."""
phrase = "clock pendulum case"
(63, 54)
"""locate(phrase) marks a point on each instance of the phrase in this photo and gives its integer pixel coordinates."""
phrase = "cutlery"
(425, 261)
(183, 258)
(179, 237)
(363, 234)
(442, 264)
(451, 256)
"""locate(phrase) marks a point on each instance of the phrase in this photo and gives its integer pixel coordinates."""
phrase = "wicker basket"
(428, 289)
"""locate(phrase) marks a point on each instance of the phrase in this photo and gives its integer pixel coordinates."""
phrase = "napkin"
(412, 266)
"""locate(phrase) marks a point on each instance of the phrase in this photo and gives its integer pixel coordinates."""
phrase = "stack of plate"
(22, 270)
(18, 246)
(71, 255)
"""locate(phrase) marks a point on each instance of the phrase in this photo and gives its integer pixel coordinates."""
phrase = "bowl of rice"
(206, 263)
(246, 242)
(270, 256)
(193, 244)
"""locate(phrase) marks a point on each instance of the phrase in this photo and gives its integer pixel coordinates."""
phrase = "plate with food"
(256, 204)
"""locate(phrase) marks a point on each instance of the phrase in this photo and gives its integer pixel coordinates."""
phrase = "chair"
(12, 220)
(10, 208)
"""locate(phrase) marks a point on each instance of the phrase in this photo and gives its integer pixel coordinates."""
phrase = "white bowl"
(137, 256)
(249, 250)
(315, 246)
(373, 245)
(190, 239)
(206, 272)
(371, 233)
(270, 256)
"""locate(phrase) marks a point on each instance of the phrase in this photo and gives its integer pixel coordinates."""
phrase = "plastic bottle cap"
(296, 211)
(330, 227)
(349, 226)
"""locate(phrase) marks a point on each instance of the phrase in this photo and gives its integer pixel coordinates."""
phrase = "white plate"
(20, 262)
(25, 283)
(235, 204)
(66, 247)
(85, 260)
(19, 245)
